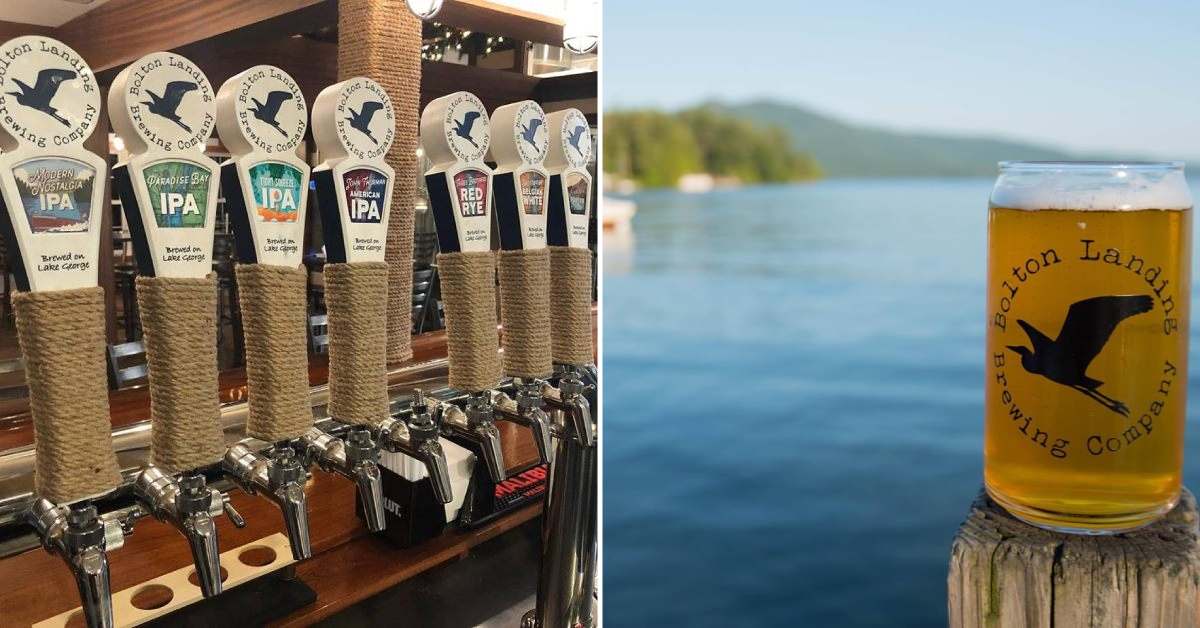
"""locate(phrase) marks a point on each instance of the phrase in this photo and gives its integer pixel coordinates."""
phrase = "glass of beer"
(1088, 287)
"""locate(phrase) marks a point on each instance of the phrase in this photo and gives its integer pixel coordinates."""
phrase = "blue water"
(793, 402)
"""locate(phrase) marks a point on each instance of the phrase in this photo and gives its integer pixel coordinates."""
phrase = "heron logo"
(1093, 369)
(365, 120)
(271, 111)
(170, 102)
(48, 94)
(467, 127)
(530, 133)
(576, 139)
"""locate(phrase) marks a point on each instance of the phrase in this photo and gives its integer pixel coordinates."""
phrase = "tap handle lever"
(232, 513)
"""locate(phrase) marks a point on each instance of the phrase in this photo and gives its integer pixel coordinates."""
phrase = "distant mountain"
(849, 150)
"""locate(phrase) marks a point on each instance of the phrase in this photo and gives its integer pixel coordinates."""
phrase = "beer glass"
(1088, 283)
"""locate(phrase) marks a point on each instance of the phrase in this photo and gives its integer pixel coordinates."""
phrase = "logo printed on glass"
(533, 193)
(471, 189)
(178, 192)
(1085, 343)
(364, 195)
(276, 188)
(56, 193)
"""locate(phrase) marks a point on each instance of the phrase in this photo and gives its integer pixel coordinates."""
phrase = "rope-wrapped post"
(274, 309)
(61, 334)
(571, 313)
(525, 312)
(356, 296)
(381, 40)
(472, 344)
(178, 322)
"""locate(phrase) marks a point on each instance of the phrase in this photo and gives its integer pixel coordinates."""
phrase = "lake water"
(794, 402)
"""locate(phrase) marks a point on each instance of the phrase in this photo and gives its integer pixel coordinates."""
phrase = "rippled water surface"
(794, 401)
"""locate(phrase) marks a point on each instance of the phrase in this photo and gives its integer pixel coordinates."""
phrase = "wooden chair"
(121, 372)
(318, 333)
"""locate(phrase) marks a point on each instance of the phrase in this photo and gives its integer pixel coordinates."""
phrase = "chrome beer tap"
(571, 399)
(528, 410)
(279, 476)
(355, 458)
(477, 424)
(82, 538)
(191, 506)
(418, 438)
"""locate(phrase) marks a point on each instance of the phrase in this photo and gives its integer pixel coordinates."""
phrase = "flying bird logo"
(530, 132)
(463, 129)
(575, 136)
(43, 91)
(1086, 330)
(361, 119)
(268, 110)
(167, 105)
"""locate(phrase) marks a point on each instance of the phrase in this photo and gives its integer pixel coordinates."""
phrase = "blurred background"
(794, 256)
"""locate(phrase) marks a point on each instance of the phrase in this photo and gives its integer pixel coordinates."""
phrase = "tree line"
(654, 148)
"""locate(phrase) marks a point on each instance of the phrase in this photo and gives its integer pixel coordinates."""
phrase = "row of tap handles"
(82, 535)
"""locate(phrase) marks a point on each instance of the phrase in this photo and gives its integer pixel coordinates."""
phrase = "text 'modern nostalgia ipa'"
(1087, 296)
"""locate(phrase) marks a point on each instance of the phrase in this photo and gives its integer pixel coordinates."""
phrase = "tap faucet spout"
(357, 459)
(281, 479)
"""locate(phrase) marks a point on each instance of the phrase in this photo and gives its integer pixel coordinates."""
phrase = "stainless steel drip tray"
(132, 444)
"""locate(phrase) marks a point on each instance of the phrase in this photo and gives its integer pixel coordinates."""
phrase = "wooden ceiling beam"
(497, 19)
(9, 30)
(120, 31)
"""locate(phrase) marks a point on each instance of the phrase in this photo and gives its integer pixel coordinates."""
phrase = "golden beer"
(1086, 388)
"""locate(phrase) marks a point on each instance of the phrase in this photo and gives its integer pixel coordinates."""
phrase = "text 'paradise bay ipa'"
(1087, 295)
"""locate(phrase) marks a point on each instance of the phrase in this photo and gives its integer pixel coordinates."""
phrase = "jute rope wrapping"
(356, 295)
(469, 294)
(525, 312)
(179, 322)
(62, 338)
(274, 308)
(381, 39)
(571, 313)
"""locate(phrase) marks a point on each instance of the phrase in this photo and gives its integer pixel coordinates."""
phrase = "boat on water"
(616, 213)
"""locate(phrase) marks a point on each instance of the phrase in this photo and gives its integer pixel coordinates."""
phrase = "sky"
(1113, 77)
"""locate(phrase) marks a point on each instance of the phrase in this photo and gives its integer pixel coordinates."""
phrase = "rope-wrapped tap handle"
(571, 313)
(525, 312)
(61, 333)
(274, 310)
(178, 318)
(469, 293)
(356, 295)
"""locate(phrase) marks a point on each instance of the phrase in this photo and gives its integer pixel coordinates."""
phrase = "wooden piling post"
(1008, 574)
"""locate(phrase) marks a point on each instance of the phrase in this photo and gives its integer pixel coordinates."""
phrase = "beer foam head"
(1091, 186)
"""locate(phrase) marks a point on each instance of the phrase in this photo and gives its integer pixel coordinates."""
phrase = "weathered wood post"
(1005, 573)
